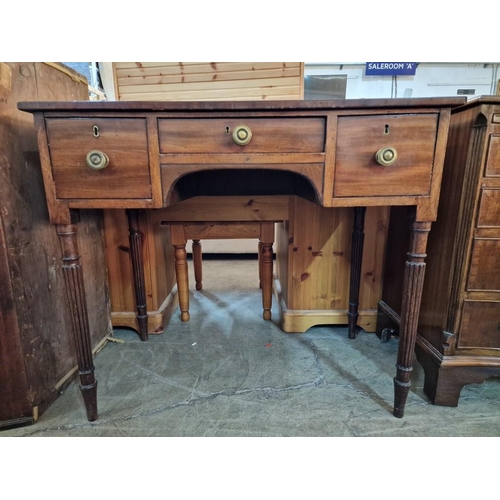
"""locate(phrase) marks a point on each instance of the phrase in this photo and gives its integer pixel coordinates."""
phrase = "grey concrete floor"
(227, 372)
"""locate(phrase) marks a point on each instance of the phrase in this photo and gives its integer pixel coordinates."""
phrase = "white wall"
(430, 80)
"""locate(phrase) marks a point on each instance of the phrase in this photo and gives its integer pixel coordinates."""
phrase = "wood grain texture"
(357, 243)
(226, 208)
(158, 264)
(480, 326)
(484, 271)
(359, 138)
(33, 253)
(493, 161)
(296, 135)
(457, 342)
(137, 260)
(75, 290)
(318, 246)
(181, 268)
(489, 208)
(410, 309)
(412, 124)
(209, 81)
(127, 174)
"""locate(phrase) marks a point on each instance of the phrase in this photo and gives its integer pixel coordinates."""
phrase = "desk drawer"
(268, 135)
(480, 326)
(123, 141)
(357, 173)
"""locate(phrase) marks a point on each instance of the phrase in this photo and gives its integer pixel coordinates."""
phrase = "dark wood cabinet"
(458, 340)
(37, 357)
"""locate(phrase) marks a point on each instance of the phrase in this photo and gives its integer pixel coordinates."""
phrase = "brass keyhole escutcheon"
(97, 160)
(242, 135)
(95, 131)
(386, 156)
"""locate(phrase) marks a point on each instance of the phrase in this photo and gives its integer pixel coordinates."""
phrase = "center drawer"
(411, 140)
(268, 135)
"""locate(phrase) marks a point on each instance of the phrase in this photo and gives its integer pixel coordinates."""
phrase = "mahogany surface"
(458, 340)
(325, 166)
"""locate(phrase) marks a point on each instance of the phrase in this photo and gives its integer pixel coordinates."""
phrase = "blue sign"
(390, 68)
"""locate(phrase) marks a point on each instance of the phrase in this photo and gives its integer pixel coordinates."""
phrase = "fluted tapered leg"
(197, 261)
(136, 256)
(75, 289)
(266, 266)
(358, 238)
(410, 309)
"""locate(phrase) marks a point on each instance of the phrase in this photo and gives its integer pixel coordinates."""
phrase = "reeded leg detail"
(197, 261)
(73, 278)
(410, 309)
(266, 266)
(136, 255)
(358, 238)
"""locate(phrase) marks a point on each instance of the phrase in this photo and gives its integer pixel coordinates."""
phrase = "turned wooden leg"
(73, 278)
(197, 261)
(266, 260)
(136, 255)
(358, 237)
(260, 264)
(410, 308)
(181, 268)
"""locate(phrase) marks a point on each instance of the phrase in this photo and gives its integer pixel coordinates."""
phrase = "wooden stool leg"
(197, 261)
(136, 255)
(181, 269)
(260, 264)
(410, 309)
(73, 278)
(266, 259)
(358, 237)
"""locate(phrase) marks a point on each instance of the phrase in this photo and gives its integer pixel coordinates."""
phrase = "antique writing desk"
(150, 155)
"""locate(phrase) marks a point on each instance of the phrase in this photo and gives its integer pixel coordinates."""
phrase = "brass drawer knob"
(97, 160)
(386, 156)
(242, 135)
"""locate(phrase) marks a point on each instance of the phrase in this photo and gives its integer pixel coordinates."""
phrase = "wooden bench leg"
(260, 264)
(197, 261)
(266, 266)
(181, 269)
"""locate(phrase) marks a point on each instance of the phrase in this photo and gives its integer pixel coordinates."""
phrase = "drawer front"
(480, 325)
(123, 141)
(357, 172)
(493, 159)
(269, 135)
(489, 209)
(484, 271)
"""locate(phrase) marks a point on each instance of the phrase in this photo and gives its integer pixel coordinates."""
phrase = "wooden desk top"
(353, 152)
